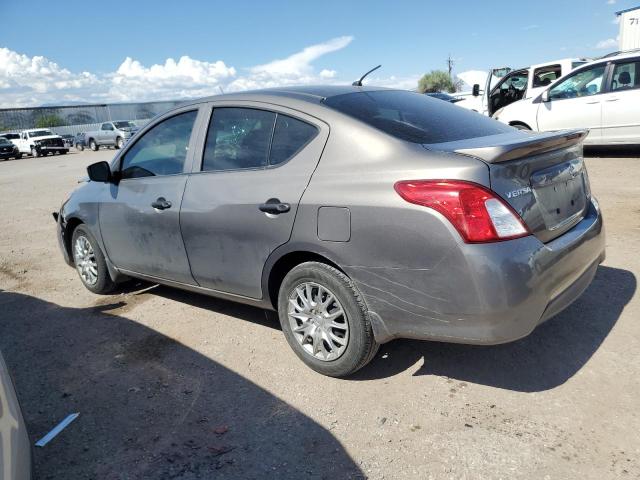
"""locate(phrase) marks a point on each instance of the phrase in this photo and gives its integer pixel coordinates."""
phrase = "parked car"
(513, 85)
(113, 134)
(39, 142)
(14, 440)
(443, 96)
(11, 136)
(79, 141)
(603, 96)
(413, 219)
(8, 149)
(67, 139)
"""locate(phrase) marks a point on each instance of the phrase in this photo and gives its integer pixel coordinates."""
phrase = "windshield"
(11, 135)
(124, 124)
(4, 141)
(40, 133)
(414, 117)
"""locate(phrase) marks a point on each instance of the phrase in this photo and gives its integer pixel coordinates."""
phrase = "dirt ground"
(171, 384)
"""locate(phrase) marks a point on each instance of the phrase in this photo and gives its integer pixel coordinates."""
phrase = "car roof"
(308, 93)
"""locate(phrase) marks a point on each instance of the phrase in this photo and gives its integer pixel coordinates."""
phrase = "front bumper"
(47, 148)
(12, 154)
(61, 236)
(485, 293)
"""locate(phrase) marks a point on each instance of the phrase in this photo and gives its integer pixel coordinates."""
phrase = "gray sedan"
(359, 214)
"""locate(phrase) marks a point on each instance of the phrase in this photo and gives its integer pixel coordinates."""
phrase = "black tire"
(79, 147)
(103, 284)
(93, 145)
(35, 153)
(119, 143)
(18, 156)
(63, 152)
(361, 345)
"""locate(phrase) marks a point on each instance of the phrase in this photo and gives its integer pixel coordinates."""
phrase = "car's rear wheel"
(325, 320)
(90, 262)
(93, 145)
(520, 126)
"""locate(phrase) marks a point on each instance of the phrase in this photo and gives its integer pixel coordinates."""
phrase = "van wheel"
(325, 320)
(90, 262)
(93, 145)
(35, 153)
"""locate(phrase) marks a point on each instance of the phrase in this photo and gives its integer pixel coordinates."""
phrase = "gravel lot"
(176, 385)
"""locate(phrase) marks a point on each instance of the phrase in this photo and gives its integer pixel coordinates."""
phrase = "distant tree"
(47, 121)
(436, 81)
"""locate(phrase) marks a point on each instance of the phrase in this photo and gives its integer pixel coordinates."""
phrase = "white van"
(514, 85)
(603, 96)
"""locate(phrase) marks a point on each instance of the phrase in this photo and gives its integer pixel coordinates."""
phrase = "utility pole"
(450, 64)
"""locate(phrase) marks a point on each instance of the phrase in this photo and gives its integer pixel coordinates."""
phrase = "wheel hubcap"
(318, 321)
(85, 260)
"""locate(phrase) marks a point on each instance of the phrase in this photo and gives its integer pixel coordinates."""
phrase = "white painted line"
(57, 429)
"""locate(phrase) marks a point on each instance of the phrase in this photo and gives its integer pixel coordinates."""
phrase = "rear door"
(241, 200)
(621, 104)
(575, 102)
(140, 217)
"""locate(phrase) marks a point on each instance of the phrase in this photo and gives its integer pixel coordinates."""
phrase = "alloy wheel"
(318, 321)
(85, 260)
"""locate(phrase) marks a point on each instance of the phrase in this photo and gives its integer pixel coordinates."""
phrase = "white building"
(629, 28)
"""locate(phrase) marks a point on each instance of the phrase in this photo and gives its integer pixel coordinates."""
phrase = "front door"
(140, 218)
(575, 102)
(240, 204)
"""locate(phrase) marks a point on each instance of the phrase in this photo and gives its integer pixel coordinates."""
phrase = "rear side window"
(161, 150)
(414, 117)
(247, 138)
(289, 137)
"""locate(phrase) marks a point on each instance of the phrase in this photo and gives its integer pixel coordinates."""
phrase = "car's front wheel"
(325, 320)
(90, 262)
(119, 143)
(79, 147)
(34, 152)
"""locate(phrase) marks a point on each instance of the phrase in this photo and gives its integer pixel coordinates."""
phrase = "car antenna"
(358, 83)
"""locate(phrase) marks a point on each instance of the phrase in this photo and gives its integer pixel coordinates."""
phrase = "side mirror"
(545, 96)
(100, 172)
(475, 91)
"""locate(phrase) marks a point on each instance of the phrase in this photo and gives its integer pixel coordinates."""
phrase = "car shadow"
(547, 358)
(150, 407)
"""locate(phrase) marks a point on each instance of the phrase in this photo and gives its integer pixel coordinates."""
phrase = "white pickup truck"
(514, 85)
(114, 134)
(39, 142)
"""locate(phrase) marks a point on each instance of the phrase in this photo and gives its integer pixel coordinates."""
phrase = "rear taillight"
(476, 212)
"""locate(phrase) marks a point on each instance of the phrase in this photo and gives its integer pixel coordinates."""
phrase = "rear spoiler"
(511, 147)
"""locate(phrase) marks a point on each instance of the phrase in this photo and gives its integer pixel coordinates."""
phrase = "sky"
(141, 50)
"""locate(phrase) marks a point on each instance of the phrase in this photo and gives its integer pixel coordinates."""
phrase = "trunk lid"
(542, 176)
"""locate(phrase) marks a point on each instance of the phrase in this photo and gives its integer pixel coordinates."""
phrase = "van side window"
(626, 76)
(546, 75)
(162, 150)
(581, 84)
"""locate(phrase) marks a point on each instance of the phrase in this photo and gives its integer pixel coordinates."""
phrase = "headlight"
(497, 114)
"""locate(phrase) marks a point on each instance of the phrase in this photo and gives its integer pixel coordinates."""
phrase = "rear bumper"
(485, 293)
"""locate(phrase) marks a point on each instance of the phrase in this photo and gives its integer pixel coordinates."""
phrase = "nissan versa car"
(360, 214)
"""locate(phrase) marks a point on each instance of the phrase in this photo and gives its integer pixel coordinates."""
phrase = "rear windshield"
(414, 117)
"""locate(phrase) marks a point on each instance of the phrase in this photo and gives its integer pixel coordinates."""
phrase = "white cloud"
(531, 27)
(611, 2)
(607, 44)
(33, 81)
(296, 69)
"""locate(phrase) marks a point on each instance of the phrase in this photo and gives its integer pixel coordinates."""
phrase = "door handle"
(612, 100)
(593, 103)
(161, 204)
(274, 207)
